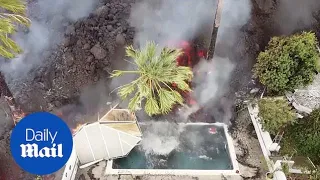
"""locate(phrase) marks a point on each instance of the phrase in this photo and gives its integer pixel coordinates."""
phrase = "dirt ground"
(84, 58)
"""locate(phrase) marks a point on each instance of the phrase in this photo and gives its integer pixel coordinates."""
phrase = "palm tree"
(157, 72)
(12, 13)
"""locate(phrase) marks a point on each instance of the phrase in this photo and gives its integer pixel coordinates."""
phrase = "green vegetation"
(275, 114)
(38, 177)
(155, 75)
(288, 62)
(315, 173)
(12, 13)
(303, 137)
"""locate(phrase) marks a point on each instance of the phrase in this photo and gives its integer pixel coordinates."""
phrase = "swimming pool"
(199, 148)
(203, 150)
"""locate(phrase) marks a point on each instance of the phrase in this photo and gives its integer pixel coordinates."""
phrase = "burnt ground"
(81, 60)
(84, 58)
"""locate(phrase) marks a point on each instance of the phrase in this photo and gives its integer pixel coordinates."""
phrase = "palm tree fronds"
(151, 50)
(116, 73)
(16, 18)
(131, 52)
(125, 91)
(12, 13)
(166, 100)
(15, 6)
(152, 106)
(170, 55)
(9, 43)
(5, 53)
(144, 88)
(8, 47)
(185, 72)
(157, 74)
(135, 102)
(6, 27)
(183, 85)
(177, 96)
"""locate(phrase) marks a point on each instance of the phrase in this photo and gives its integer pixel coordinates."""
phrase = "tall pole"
(216, 25)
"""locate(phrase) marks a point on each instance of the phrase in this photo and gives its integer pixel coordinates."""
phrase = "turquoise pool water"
(198, 149)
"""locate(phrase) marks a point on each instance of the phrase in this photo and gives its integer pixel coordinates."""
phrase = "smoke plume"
(92, 104)
(167, 21)
(294, 15)
(49, 20)
(214, 75)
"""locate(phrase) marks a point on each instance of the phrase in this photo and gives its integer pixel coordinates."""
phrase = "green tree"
(304, 136)
(156, 72)
(288, 62)
(275, 114)
(12, 13)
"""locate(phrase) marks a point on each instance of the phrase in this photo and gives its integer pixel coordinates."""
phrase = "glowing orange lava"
(77, 128)
(189, 58)
(16, 113)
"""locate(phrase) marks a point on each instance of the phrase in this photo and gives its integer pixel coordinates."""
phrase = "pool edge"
(184, 172)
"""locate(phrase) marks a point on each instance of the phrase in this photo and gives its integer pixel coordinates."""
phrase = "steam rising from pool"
(161, 138)
(168, 145)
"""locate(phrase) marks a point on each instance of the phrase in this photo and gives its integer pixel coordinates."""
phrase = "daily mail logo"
(32, 150)
(41, 143)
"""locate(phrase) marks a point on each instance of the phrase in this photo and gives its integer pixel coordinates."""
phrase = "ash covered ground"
(81, 59)
(67, 69)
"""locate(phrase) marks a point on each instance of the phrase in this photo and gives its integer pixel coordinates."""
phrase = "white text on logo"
(32, 150)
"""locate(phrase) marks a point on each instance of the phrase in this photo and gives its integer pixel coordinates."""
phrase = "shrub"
(288, 62)
(315, 173)
(304, 136)
(275, 114)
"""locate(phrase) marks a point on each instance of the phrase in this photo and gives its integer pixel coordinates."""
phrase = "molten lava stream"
(190, 58)
(16, 113)
(189, 99)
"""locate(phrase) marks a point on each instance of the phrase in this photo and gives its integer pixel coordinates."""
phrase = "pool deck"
(198, 174)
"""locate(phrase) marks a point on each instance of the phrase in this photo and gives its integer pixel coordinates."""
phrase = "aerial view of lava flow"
(253, 95)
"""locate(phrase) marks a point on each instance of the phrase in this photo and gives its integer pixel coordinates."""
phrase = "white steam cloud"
(215, 74)
(235, 14)
(167, 21)
(49, 19)
(211, 84)
(161, 138)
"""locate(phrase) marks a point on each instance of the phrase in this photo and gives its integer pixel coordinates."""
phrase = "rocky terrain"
(249, 155)
(9, 170)
(82, 59)
(310, 95)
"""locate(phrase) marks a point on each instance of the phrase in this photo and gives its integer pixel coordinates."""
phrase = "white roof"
(97, 141)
